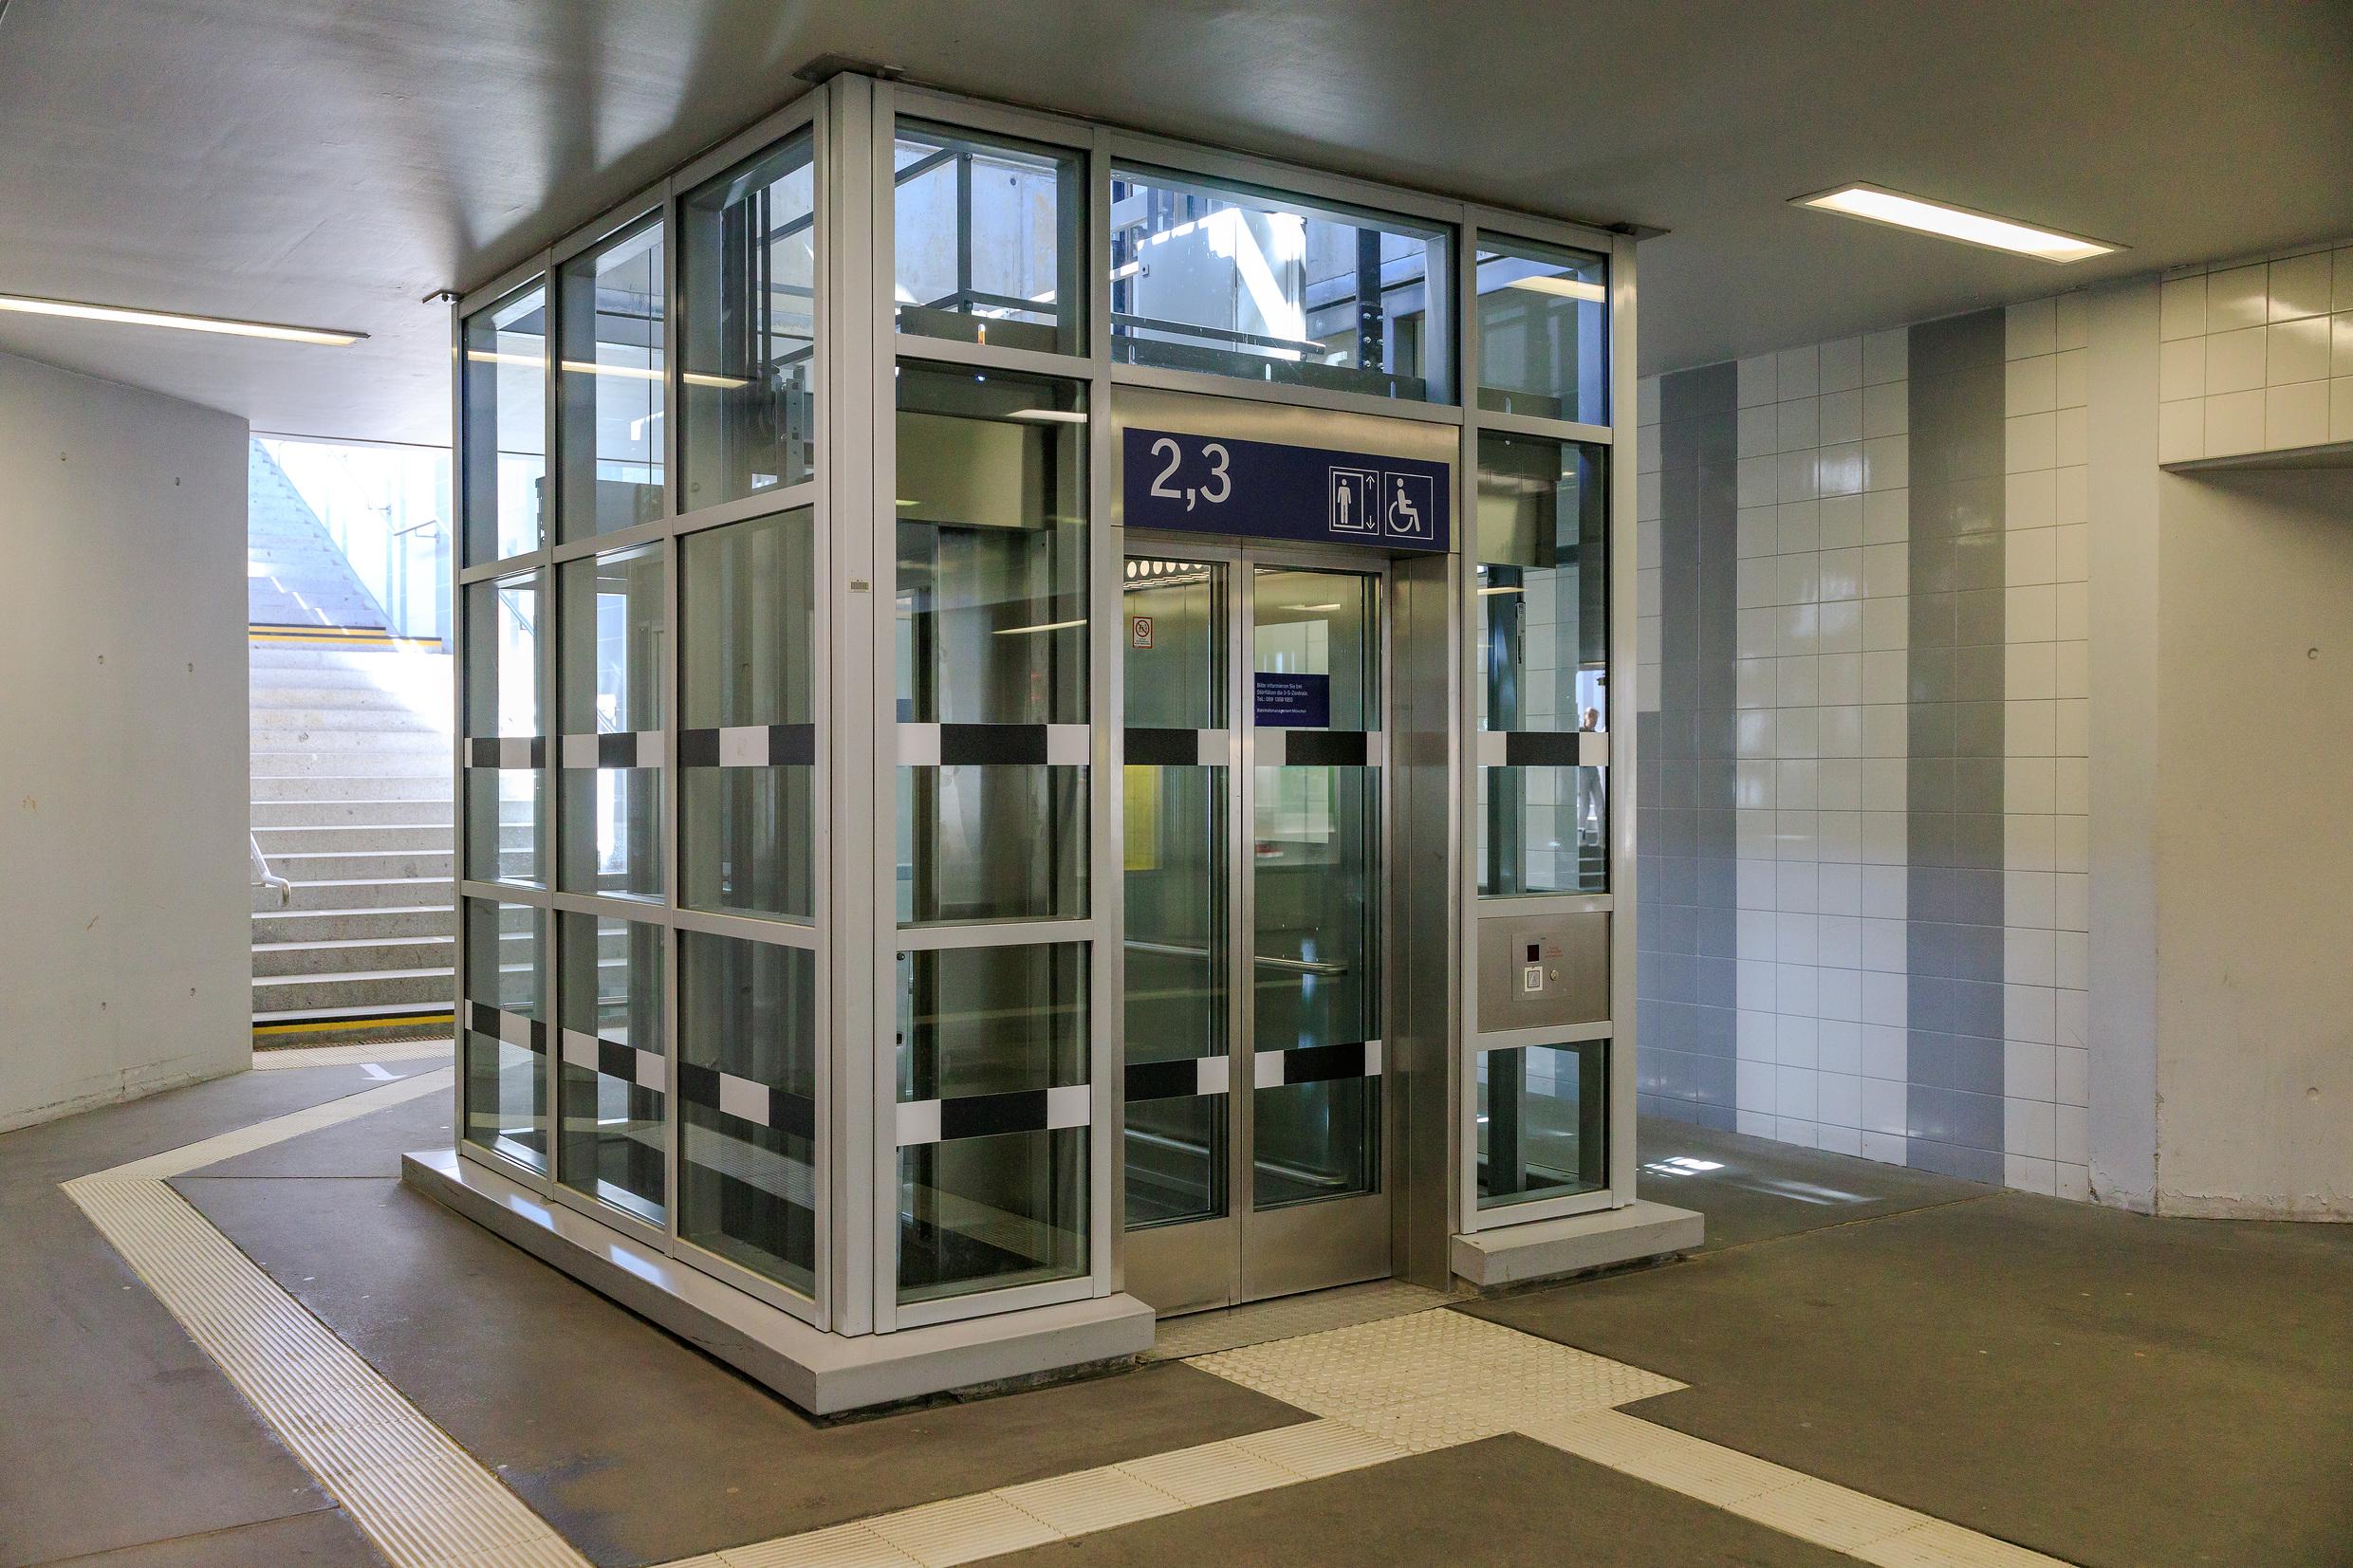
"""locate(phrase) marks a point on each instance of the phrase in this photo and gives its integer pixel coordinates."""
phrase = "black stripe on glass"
(697, 1084)
(617, 1060)
(1163, 1079)
(617, 750)
(1323, 748)
(792, 746)
(791, 1113)
(1163, 747)
(1318, 1063)
(966, 745)
(984, 1116)
(482, 1018)
(1540, 748)
(698, 749)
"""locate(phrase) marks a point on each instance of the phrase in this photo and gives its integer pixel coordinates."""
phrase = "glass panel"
(610, 387)
(506, 808)
(612, 611)
(1004, 1208)
(987, 247)
(993, 599)
(747, 1104)
(506, 411)
(1544, 331)
(993, 608)
(1542, 641)
(1176, 881)
(747, 620)
(1543, 830)
(1315, 887)
(747, 285)
(506, 1089)
(1001, 841)
(611, 1060)
(1542, 1118)
(1237, 282)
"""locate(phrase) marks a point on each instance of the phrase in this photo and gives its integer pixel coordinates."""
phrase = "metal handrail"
(1264, 960)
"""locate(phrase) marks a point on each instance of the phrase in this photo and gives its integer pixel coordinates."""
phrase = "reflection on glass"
(1541, 1117)
(1176, 999)
(747, 1104)
(505, 401)
(992, 609)
(747, 281)
(1001, 841)
(608, 682)
(986, 240)
(506, 807)
(609, 387)
(992, 548)
(1233, 280)
(1316, 979)
(612, 1069)
(505, 1090)
(1542, 651)
(1544, 331)
(1543, 830)
(991, 1208)
(747, 652)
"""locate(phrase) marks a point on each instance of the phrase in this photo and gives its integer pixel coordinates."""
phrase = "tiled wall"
(2256, 357)
(1861, 720)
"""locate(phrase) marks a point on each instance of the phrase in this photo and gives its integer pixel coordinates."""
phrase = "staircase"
(352, 805)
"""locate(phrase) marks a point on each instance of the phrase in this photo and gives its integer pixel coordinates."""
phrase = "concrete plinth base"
(1517, 1254)
(823, 1373)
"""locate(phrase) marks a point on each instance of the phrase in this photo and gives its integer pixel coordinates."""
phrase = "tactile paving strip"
(1203, 1333)
(420, 1498)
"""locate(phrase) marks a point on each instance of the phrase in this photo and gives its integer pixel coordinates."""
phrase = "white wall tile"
(2029, 329)
(2070, 322)
(2299, 286)
(2341, 409)
(2181, 428)
(1757, 382)
(2236, 298)
(1800, 371)
(2295, 415)
(1842, 364)
(2181, 309)
(2029, 442)
(2235, 360)
(2026, 1129)
(2180, 373)
(2071, 377)
(2030, 385)
(1886, 355)
(2233, 423)
(2295, 351)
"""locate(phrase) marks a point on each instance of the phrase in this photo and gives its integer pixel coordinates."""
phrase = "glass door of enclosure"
(1253, 818)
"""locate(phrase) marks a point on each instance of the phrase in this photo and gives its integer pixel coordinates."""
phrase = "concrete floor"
(2099, 1386)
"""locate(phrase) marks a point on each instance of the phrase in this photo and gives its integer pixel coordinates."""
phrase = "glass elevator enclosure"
(1036, 739)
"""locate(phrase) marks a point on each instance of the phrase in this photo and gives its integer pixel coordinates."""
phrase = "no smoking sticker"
(1140, 631)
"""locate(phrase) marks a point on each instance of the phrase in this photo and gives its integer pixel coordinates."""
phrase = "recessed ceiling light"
(1875, 205)
(30, 306)
(1570, 289)
(1047, 416)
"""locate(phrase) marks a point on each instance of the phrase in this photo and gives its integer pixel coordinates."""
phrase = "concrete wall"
(2254, 845)
(124, 960)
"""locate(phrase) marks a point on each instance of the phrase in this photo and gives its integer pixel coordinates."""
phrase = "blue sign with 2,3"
(1263, 490)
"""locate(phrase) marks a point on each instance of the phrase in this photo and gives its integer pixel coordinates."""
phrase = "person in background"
(1590, 827)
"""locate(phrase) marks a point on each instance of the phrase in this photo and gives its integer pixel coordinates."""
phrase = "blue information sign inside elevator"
(1264, 489)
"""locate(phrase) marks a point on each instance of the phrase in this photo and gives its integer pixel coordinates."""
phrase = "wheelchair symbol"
(1408, 512)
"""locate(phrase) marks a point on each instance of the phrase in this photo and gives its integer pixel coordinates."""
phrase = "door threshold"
(1287, 1317)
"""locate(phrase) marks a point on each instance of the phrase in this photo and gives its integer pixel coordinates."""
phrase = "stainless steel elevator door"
(1252, 824)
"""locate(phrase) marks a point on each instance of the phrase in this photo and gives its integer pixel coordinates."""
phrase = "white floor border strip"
(421, 1498)
(1375, 1391)
(277, 1057)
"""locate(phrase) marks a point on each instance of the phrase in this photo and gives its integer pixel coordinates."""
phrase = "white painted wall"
(2254, 845)
(124, 957)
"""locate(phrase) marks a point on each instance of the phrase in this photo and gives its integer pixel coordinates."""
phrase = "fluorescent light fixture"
(583, 367)
(1874, 205)
(1047, 416)
(1500, 588)
(327, 337)
(1567, 289)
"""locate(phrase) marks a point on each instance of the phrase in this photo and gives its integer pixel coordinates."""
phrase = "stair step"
(321, 786)
(361, 954)
(347, 837)
(334, 988)
(362, 893)
(271, 697)
(278, 763)
(292, 926)
(375, 740)
(342, 866)
(438, 813)
(350, 1025)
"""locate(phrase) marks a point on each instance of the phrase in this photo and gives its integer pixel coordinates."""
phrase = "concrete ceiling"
(330, 162)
